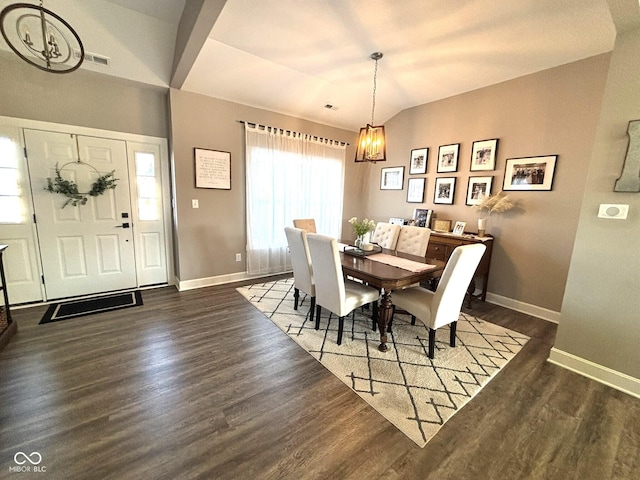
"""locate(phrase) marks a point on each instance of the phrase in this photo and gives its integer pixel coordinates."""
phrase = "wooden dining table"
(388, 278)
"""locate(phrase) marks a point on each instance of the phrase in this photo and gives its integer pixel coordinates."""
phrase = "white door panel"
(84, 248)
(16, 220)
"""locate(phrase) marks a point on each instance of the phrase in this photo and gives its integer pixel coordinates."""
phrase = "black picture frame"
(415, 190)
(477, 189)
(483, 155)
(529, 173)
(444, 190)
(418, 161)
(391, 178)
(448, 158)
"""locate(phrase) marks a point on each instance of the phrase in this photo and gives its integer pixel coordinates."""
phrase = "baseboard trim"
(219, 280)
(522, 307)
(612, 378)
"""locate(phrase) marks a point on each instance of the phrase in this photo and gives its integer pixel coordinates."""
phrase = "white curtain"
(289, 175)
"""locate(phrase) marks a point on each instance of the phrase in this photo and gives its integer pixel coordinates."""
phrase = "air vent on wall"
(94, 58)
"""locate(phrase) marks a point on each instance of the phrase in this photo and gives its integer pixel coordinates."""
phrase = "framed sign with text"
(213, 169)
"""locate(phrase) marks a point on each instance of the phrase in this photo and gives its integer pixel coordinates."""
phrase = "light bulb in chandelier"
(372, 141)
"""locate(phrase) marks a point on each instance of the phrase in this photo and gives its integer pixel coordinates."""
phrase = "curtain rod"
(283, 130)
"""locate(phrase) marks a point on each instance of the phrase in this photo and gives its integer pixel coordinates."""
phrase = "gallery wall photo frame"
(529, 173)
(418, 162)
(444, 190)
(391, 178)
(483, 155)
(448, 158)
(478, 189)
(212, 168)
(415, 190)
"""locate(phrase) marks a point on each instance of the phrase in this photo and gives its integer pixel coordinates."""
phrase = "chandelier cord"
(375, 76)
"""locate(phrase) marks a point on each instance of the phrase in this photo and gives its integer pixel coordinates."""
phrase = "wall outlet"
(195, 203)
(238, 257)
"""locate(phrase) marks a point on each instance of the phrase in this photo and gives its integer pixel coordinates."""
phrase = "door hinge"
(42, 276)
(25, 152)
(34, 218)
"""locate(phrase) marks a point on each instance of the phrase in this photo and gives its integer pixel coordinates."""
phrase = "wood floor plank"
(199, 384)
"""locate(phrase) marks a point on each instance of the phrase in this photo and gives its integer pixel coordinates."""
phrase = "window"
(11, 208)
(289, 176)
(146, 181)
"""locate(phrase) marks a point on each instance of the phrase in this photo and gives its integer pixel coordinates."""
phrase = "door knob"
(124, 225)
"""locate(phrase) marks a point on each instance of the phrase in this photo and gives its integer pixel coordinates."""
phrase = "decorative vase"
(482, 227)
(359, 241)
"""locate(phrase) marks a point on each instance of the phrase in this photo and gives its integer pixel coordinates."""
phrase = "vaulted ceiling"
(296, 56)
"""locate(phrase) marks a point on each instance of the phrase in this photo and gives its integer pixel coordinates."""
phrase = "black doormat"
(80, 308)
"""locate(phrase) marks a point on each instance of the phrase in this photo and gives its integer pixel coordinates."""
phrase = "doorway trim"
(128, 138)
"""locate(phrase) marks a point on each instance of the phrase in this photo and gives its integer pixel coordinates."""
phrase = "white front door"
(87, 248)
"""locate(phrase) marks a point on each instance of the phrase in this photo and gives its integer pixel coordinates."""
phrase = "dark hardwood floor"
(199, 384)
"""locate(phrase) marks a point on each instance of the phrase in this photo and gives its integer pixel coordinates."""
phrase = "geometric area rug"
(416, 394)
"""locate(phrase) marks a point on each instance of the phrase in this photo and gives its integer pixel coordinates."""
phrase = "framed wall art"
(479, 187)
(212, 168)
(415, 190)
(419, 157)
(529, 173)
(391, 178)
(448, 158)
(445, 188)
(483, 155)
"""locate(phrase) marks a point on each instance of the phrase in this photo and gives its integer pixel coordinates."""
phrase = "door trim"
(162, 143)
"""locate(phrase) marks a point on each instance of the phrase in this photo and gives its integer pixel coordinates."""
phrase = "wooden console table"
(7, 326)
(441, 246)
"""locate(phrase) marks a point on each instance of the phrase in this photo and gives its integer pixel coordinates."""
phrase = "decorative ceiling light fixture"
(371, 142)
(41, 38)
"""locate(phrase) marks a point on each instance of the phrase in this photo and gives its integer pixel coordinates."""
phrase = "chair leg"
(296, 298)
(413, 319)
(340, 327)
(318, 308)
(432, 342)
(312, 309)
(452, 334)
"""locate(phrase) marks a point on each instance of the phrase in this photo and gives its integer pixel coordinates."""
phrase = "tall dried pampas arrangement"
(496, 203)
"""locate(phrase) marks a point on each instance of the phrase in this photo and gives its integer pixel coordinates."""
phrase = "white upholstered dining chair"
(386, 235)
(442, 307)
(333, 292)
(413, 240)
(302, 268)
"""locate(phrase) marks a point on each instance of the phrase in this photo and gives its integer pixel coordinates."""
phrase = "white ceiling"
(296, 56)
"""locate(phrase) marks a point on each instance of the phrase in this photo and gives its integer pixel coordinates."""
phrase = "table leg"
(384, 316)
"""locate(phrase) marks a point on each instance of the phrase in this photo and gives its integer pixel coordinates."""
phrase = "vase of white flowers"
(497, 203)
(361, 228)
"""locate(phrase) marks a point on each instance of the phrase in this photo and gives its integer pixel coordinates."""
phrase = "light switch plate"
(614, 211)
(194, 203)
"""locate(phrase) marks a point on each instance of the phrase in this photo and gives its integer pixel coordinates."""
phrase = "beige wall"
(81, 98)
(547, 113)
(208, 238)
(599, 321)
